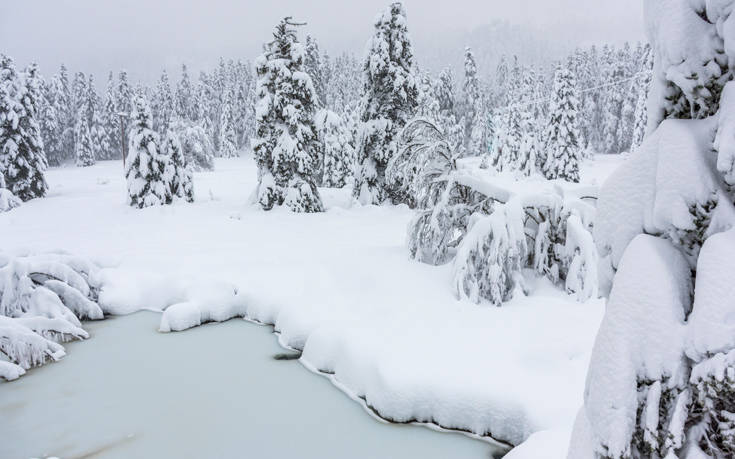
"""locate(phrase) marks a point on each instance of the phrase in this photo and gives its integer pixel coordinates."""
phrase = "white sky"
(145, 36)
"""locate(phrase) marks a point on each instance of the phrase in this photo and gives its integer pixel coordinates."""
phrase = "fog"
(146, 36)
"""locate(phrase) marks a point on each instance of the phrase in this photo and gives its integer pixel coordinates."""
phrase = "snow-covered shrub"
(195, 143)
(489, 260)
(42, 300)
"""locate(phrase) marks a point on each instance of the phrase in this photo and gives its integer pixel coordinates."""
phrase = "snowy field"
(338, 285)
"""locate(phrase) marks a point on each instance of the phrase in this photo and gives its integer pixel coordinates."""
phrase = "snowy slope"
(338, 285)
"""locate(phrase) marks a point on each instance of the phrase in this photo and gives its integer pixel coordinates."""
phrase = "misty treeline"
(503, 116)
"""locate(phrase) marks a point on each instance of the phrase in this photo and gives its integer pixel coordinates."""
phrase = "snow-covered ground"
(339, 285)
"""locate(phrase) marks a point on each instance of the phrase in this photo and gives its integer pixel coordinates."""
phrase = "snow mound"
(10, 371)
(216, 303)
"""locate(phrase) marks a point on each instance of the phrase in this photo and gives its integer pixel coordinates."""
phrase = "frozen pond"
(213, 391)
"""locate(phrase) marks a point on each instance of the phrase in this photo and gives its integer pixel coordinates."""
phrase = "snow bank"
(212, 303)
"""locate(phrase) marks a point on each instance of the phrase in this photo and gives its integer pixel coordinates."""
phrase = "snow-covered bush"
(195, 143)
(42, 300)
(489, 260)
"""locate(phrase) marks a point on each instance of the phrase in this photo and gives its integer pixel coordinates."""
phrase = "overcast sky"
(145, 36)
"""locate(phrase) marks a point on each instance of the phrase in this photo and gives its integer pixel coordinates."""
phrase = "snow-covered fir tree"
(196, 144)
(472, 107)
(163, 105)
(388, 102)
(643, 83)
(178, 171)
(49, 123)
(528, 151)
(561, 146)
(228, 138)
(83, 147)
(313, 66)
(22, 160)
(67, 114)
(110, 122)
(286, 143)
(185, 96)
(338, 153)
(145, 166)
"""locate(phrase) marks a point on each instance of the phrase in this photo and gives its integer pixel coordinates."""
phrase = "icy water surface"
(213, 391)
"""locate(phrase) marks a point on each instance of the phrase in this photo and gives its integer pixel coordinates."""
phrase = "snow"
(652, 192)
(342, 289)
(546, 444)
(652, 281)
(712, 324)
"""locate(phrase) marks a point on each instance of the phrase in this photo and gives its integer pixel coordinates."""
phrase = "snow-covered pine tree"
(472, 107)
(388, 102)
(243, 106)
(613, 118)
(123, 93)
(163, 105)
(145, 167)
(110, 122)
(528, 151)
(185, 96)
(313, 66)
(178, 171)
(79, 94)
(427, 105)
(643, 83)
(99, 137)
(83, 148)
(66, 113)
(338, 153)
(228, 138)
(51, 132)
(561, 146)
(22, 160)
(286, 143)
(196, 144)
